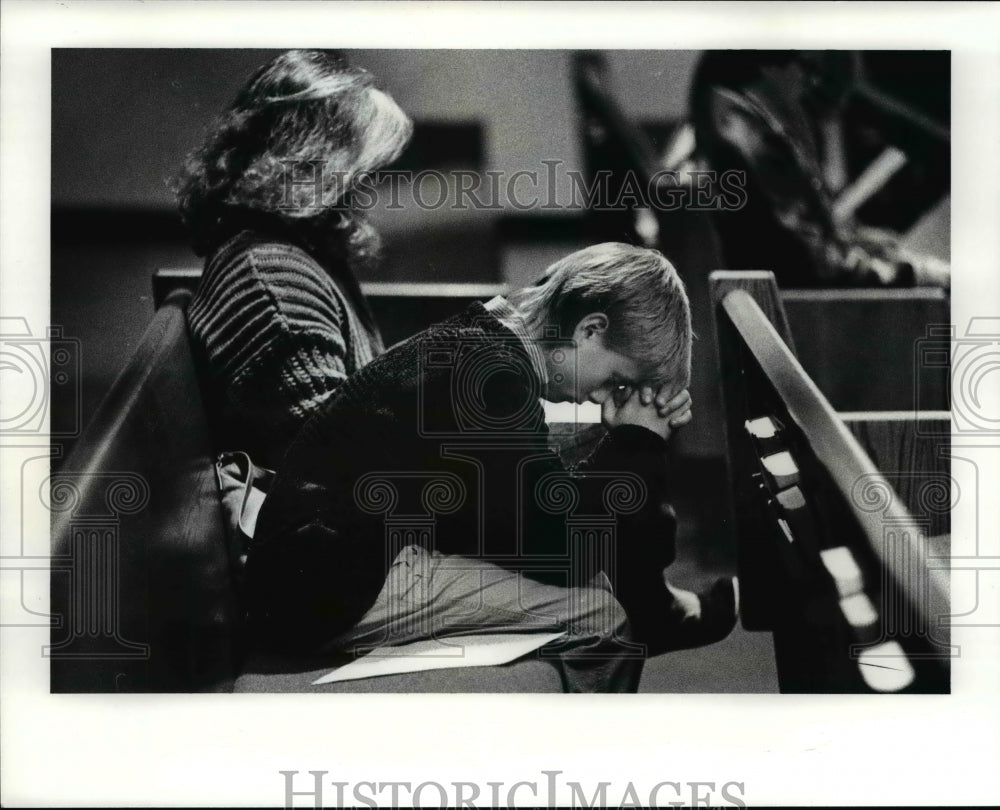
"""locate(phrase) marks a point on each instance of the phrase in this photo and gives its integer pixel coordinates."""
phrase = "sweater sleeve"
(646, 529)
(275, 332)
(623, 484)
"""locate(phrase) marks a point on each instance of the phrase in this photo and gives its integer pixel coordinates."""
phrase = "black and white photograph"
(375, 376)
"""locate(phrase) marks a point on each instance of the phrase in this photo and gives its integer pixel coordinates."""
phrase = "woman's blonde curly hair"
(297, 139)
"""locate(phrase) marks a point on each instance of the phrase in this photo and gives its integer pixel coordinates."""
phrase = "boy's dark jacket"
(442, 442)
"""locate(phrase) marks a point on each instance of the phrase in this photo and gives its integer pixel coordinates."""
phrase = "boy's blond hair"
(640, 292)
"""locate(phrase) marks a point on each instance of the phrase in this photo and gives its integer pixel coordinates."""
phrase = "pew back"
(141, 583)
(831, 561)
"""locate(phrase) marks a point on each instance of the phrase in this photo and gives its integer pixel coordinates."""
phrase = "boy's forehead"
(636, 373)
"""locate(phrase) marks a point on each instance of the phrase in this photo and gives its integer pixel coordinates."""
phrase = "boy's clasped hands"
(648, 407)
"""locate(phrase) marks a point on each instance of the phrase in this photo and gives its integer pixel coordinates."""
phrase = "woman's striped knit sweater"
(278, 335)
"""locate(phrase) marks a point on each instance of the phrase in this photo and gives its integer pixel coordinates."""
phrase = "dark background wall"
(122, 120)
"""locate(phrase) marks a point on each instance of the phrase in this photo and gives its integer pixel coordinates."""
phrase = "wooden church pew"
(852, 584)
(143, 584)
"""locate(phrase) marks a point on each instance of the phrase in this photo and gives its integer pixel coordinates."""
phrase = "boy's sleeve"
(626, 479)
(645, 538)
(639, 455)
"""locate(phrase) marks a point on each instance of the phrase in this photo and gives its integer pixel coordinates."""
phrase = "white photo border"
(113, 750)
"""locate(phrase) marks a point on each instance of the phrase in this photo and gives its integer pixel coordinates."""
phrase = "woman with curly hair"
(279, 318)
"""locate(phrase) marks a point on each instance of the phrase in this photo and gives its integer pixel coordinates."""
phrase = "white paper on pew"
(484, 650)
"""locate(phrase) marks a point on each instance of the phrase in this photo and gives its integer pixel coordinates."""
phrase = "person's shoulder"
(475, 329)
(272, 261)
(471, 333)
(474, 322)
(474, 347)
(270, 252)
(261, 248)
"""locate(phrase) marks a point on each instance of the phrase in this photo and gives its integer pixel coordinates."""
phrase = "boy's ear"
(596, 323)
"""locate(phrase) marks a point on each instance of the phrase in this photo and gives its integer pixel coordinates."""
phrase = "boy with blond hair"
(424, 501)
